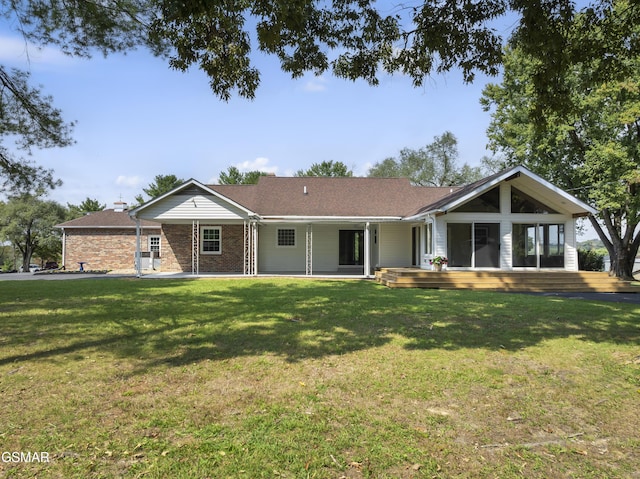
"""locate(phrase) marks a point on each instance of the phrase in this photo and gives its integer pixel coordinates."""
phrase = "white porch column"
(138, 263)
(195, 247)
(367, 250)
(309, 251)
(254, 232)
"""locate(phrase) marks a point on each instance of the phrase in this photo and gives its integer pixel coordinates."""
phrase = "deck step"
(517, 281)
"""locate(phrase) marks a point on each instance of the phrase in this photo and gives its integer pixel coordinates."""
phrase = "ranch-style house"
(512, 220)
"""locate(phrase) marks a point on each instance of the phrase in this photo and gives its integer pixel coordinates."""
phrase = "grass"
(314, 379)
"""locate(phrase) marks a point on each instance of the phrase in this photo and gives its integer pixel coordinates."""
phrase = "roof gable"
(520, 177)
(192, 200)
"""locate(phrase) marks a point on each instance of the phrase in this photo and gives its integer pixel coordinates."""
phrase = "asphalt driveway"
(48, 277)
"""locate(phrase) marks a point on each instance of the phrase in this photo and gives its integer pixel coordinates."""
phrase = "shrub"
(590, 260)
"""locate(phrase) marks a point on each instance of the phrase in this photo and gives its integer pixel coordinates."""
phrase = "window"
(523, 203)
(488, 202)
(538, 245)
(211, 240)
(286, 237)
(154, 245)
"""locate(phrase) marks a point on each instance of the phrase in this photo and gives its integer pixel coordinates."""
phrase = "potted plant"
(438, 261)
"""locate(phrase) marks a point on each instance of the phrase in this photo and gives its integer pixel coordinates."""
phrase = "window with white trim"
(211, 240)
(154, 245)
(286, 238)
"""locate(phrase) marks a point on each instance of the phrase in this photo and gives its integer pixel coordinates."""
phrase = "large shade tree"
(160, 185)
(329, 168)
(591, 145)
(355, 39)
(233, 176)
(88, 205)
(27, 221)
(435, 164)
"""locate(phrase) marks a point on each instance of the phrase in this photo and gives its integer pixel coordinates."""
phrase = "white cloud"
(15, 51)
(316, 84)
(128, 181)
(259, 164)
(362, 170)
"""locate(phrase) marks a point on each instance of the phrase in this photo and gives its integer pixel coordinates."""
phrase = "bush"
(590, 260)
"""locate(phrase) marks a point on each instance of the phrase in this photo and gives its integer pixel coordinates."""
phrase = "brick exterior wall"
(104, 248)
(176, 250)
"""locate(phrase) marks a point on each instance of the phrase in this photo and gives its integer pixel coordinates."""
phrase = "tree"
(355, 39)
(326, 168)
(591, 146)
(433, 165)
(234, 176)
(89, 205)
(27, 221)
(160, 185)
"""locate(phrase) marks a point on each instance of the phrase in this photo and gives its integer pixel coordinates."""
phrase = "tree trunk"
(27, 253)
(622, 251)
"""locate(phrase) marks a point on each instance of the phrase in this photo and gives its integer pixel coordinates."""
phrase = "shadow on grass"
(179, 322)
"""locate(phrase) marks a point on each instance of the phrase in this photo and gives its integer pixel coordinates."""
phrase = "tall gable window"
(523, 203)
(488, 202)
(286, 237)
(211, 239)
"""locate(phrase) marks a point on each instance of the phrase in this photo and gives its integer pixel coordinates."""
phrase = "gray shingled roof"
(347, 196)
(106, 219)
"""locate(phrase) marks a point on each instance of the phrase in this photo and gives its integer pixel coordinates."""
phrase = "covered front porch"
(348, 248)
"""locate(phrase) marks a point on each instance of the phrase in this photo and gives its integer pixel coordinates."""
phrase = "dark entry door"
(415, 246)
(351, 248)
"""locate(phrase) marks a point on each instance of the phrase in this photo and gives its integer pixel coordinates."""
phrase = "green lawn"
(282, 378)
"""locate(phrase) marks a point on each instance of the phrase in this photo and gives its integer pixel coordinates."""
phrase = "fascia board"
(559, 191)
(328, 219)
(107, 227)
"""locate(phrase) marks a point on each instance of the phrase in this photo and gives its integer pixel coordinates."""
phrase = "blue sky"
(137, 118)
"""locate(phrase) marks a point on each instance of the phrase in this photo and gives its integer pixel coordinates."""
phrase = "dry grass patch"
(287, 378)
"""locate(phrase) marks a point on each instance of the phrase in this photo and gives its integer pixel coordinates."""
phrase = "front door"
(415, 246)
(351, 248)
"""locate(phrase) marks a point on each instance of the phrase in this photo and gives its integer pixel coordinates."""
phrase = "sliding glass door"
(538, 245)
(473, 245)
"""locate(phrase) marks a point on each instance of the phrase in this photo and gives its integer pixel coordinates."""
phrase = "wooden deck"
(516, 281)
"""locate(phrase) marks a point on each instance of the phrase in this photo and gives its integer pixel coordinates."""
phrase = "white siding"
(394, 245)
(440, 234)
(192, 207)
(506, 244)
(571, 250)
(326, 247)
(272, 258)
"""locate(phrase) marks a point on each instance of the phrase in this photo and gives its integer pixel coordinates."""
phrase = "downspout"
(138, 264)
(64, 248)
